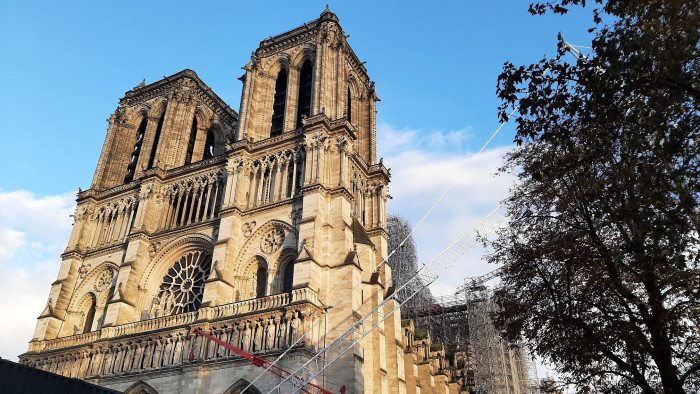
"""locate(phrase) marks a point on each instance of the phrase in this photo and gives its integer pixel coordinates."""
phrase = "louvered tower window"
(190, 143)
(156, 139)
(209, 145)
(131, 168)
(279, 104)
(304, 106)
(349, 110)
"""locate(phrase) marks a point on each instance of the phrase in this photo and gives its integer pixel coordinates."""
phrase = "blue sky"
(435, 64)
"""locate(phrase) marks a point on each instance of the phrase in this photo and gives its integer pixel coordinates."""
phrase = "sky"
(64, 66)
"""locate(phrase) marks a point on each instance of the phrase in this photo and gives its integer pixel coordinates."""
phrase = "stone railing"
(259, 304)
(66, 342)
(257, 326)
(158, 323)
(258, 333)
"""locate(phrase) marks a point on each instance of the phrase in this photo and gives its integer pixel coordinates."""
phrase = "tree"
(601, 263)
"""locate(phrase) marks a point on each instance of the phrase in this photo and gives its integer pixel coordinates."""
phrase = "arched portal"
(239, 386)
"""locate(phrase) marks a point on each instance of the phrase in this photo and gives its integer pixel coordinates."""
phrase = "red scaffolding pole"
(262, 363)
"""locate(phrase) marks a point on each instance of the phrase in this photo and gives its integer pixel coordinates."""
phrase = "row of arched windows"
(208, 143)
(280, 98)
(136, 152)
(262, 277)
(141, 134)
(182, 288)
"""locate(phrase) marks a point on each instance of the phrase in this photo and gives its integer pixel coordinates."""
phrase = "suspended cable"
(425, 276)
(384, 261)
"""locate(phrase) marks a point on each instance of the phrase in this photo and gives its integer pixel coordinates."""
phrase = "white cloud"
(10, 241)
(439, 290)
(33, 233)
(24, 293)
(45, 218)
(392, 140)
(422, 171)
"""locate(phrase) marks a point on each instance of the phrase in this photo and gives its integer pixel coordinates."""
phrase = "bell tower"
(304, 72)
(247, 226)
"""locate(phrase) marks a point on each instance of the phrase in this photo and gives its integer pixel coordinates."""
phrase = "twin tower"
(245, 225)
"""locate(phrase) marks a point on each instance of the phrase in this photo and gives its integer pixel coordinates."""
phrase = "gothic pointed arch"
(269, 240)
(261, 280)
(210, 145)
(136, 152)
(279, 103)
(284, 272)
(305, 90)
(239, 386)
(354, 93)
(90, 297)
(90, 313)
(191, 141)
(177, 293)
(140, 387)
(156, 139)
(348, 111)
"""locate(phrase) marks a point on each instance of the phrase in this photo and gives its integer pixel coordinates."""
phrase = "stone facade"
(244, 225)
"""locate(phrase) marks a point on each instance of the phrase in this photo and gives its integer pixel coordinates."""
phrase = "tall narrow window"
(190, 143)
(209, 145)
(261, 284)
(348, 112)
(90, 316)
(279, 104)
(156, 139)
(131, 168)
(288, 277)
(304, 105)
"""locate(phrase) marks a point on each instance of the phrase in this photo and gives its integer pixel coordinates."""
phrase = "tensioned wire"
(424, 277)
(384, 261)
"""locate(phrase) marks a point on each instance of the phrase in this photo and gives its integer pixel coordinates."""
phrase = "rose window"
(183, 285)
(104, 280)
(273, 240)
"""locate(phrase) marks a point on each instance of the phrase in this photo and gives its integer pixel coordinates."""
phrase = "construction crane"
(262, 363)
(425, 276)
(478, 281)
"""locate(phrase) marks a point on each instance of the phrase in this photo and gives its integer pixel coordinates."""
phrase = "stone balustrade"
(149, 325)
(257, 326)
(66, 342)
(259, 304)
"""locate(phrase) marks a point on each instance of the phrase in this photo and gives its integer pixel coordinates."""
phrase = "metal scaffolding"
(482, 360)
(479, 356)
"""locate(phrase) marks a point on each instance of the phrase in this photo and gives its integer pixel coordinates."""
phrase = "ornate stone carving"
(183, 286)
(273, 240)
(295, 215)
(83, 270)
(248, 228)
(153, 248)
(104, 279)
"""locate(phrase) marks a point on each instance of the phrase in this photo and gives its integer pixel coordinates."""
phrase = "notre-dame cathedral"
(246, 225)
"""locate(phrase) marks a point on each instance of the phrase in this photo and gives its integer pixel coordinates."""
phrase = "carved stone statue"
(245, 337)
(258, 336)
(281, 333)
(294, 327)
(270, 334)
